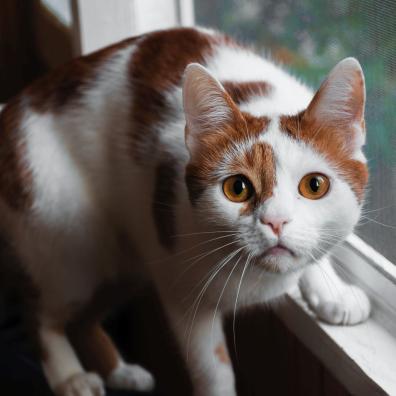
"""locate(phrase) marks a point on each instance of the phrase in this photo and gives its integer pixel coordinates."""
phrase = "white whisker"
(236, 302)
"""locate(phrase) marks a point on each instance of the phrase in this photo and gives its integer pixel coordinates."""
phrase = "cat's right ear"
(207, 106)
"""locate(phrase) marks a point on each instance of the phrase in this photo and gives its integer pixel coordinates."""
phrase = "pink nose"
(276, 224)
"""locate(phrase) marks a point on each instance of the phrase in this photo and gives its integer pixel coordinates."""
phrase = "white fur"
(61, 363)
(333, 300)
(241, 65)
(84, 384)
(130, 377)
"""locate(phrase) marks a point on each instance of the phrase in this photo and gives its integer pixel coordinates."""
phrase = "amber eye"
(314, 185)
(237, 188)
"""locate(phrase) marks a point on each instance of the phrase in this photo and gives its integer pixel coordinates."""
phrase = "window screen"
(310, 37)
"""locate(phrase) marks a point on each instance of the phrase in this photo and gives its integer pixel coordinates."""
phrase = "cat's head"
(290, 186)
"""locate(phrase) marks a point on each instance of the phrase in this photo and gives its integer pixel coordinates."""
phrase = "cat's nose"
(275, 223)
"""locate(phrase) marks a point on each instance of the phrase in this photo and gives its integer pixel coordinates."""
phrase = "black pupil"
(239, 187)
(314, 184)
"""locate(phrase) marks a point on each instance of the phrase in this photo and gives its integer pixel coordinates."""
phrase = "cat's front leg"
(205, 350)
(331, 299)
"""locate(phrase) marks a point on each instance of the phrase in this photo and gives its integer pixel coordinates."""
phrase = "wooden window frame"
(361, 357)
(92, 24)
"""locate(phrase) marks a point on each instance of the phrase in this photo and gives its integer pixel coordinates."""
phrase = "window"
(60, 9)
(310, 37)
(93, 24)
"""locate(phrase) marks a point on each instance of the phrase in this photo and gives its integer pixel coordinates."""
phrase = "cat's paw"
(348, 306)
(223, 384)
(82, 384)
(130, 377)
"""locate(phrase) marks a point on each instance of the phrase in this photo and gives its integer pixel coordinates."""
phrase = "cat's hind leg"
(99, 354)
(331, 299)
(62, 368)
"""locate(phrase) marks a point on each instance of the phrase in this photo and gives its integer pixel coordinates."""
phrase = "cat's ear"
(207, 106)
(339, 103)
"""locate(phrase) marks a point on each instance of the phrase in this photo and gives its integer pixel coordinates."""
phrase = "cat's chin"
(278, 261)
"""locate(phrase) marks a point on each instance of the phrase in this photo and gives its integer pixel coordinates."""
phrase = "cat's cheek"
(343, 206)
(327, 220)
(228, 212)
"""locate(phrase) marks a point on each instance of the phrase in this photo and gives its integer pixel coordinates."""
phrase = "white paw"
(348, 306)
(82, 384)
(130, 377)
(226, 380)
(221, 384)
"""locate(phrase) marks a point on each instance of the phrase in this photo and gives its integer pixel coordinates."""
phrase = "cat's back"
(86, 117)
(93, 115)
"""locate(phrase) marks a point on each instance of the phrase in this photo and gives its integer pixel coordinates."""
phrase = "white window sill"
(362, 357)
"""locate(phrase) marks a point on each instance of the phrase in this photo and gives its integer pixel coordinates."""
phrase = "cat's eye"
(237, 188)
(314, 185)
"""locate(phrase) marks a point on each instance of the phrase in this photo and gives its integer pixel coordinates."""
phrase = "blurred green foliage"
(311, 36)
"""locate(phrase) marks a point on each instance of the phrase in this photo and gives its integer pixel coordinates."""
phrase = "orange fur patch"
(200, 171)
(258, 165)
(158, 65)
(95, 349)
(243, 91)
(222, 354)
(66, 83)
(15, 177)
(332, 142)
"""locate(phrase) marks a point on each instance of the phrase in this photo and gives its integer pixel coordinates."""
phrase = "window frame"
(365, 353)
(57, 41)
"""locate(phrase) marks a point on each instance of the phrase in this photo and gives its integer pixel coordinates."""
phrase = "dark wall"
(19, 62)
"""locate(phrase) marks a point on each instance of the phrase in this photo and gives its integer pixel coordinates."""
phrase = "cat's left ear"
(208, 107)
(339, 103)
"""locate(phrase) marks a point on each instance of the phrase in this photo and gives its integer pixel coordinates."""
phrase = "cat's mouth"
(279, 250)
(278, 258)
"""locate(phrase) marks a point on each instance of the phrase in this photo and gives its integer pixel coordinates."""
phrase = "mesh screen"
(310, 37)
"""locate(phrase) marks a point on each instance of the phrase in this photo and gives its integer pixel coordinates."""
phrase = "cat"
(184, 158)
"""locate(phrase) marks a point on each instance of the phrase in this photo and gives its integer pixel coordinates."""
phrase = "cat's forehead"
(271, 152)
(284, 149)
(272, 158)
(274, 148)
(293, 154)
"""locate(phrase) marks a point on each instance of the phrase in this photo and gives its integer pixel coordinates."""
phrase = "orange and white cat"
(185, 158)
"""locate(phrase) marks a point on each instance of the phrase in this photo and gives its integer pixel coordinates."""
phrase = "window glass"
(310, 37)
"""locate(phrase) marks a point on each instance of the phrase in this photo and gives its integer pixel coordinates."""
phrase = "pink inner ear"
(204, 99)
(207, 106)
(341, 98)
